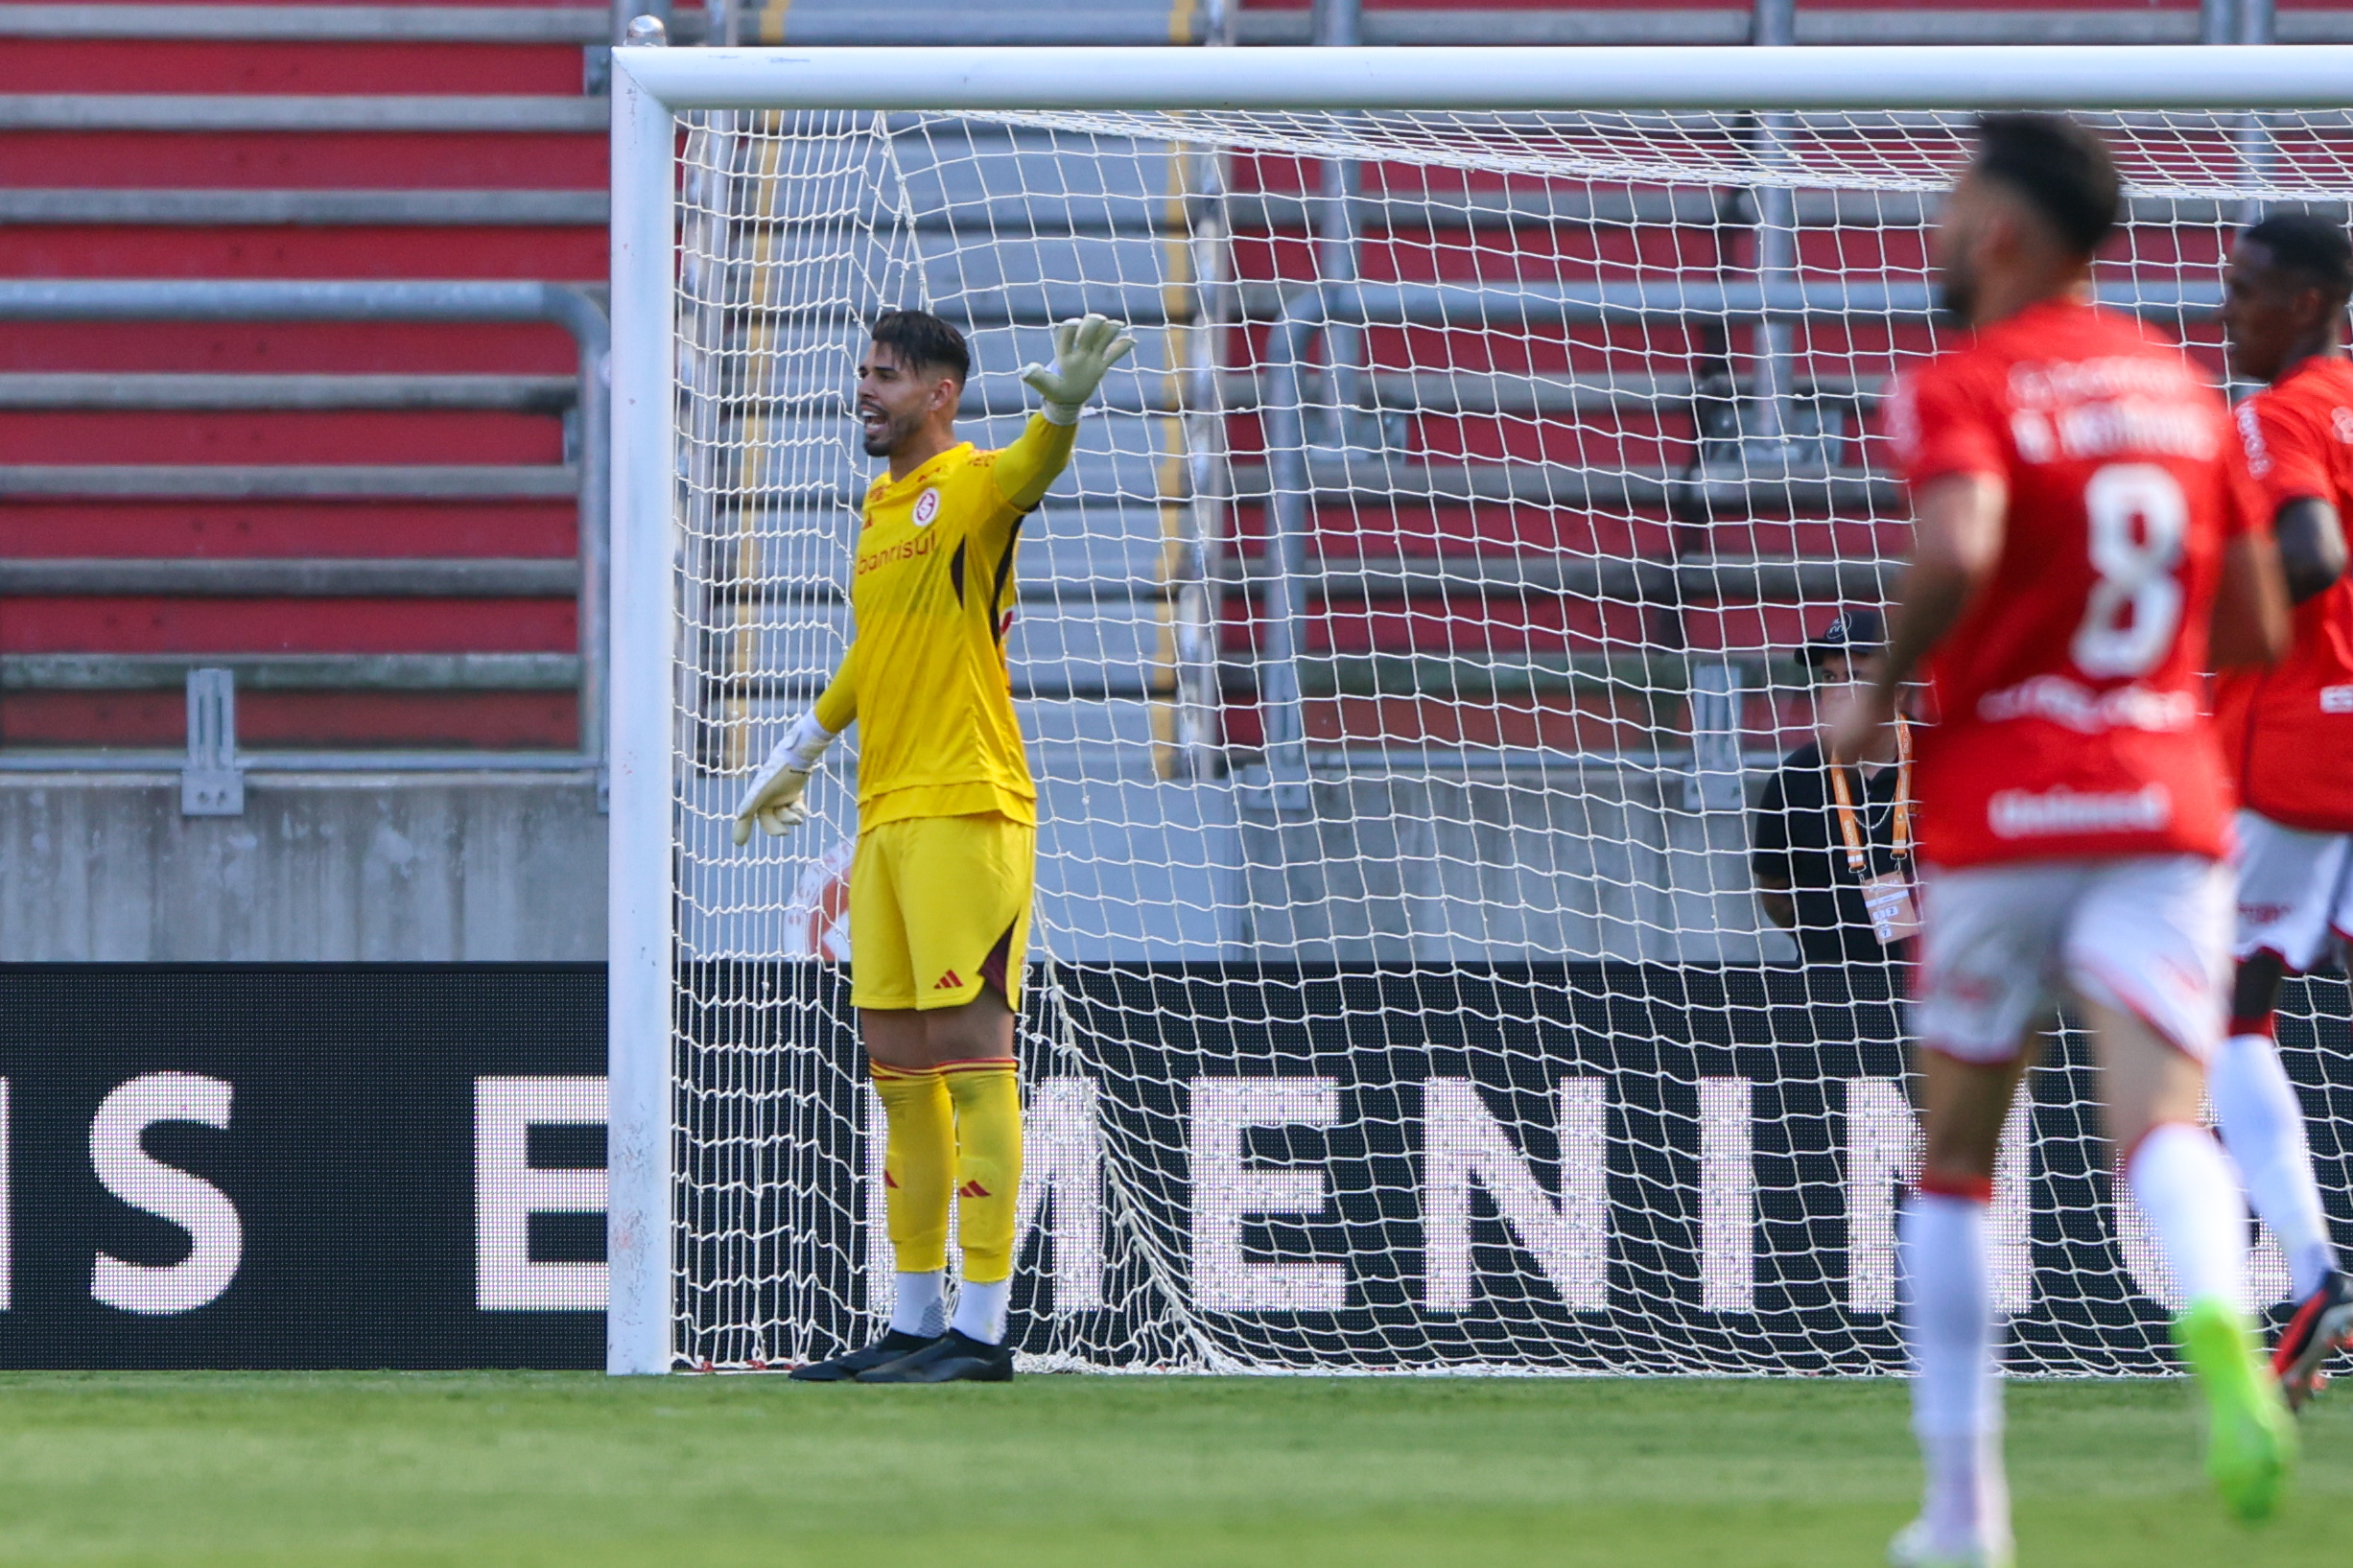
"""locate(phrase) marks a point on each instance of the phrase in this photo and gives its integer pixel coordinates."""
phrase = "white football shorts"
(2001, 945)
(2295, 891)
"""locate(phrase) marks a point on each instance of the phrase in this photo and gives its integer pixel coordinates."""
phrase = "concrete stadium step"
(157, 626)
(435, 208)
(1141, 305)
(1541, 393)
(503, 727)
(171, 621)
(236, 481)
(959, 261)
(308, 437)
(312, 347)
(293, 672)
(1850, 492)
(65, 528)
(142, 65)
(312, 160)
(1556, 574)
(235, 577)
(197, 389)
(1484, 677)
(571, 254)
(1111, 643)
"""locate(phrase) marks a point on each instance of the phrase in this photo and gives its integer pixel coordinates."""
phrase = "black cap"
(1858, 631)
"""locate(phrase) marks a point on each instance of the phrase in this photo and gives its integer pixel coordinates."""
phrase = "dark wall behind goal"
(1599, 1168)
(1567, 1167)
(303, 1166)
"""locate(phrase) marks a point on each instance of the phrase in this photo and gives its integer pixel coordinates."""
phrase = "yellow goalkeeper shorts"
(939, 906)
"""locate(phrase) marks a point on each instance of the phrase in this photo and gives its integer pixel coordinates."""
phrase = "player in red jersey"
(2288, 735)
(2078, 530)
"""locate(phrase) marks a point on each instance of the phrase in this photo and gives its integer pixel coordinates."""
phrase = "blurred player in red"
(2080, 528)
(2288, 735)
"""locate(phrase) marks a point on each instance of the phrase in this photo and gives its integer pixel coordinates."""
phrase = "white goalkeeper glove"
(773, 797)
(1085, 347)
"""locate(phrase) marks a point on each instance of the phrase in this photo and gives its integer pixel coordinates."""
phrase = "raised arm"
(1085, 349)
(1025, 468)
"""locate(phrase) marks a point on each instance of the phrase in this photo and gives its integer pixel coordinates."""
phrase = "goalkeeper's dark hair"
(2315, 249)
(923, 341)
(2062, 168)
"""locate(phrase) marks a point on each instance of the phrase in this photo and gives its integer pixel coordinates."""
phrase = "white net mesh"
(1402, 658)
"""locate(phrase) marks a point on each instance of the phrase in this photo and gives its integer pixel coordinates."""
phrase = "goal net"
(1402, 658)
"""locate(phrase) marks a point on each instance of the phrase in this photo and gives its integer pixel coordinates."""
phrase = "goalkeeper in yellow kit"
(947, 838)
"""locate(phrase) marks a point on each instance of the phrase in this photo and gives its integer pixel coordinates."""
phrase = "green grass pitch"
(325, 1469)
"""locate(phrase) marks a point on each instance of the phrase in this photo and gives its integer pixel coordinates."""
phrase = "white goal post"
(1615, 1121)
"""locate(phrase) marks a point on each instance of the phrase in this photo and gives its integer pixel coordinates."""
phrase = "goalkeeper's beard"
(892, 436)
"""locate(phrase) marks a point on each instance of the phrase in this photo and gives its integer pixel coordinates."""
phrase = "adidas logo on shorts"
(949, 981)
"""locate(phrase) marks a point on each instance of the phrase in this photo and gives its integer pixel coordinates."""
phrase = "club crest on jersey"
(927, 508)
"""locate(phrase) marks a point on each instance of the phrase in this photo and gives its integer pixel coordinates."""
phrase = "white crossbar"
(1983, 77)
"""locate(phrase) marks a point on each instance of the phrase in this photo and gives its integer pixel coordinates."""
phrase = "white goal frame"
(651, 85)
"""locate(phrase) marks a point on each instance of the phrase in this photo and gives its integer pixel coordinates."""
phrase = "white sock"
(2185, 1185)
(2262, 1123)
(1966, 1505)
(922, 1304)
(1956, 1378)
(980, 1310)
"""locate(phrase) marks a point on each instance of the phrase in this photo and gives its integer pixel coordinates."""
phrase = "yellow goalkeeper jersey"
(926, 675)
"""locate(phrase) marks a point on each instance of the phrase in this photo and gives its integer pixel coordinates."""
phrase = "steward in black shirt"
(1802, 856)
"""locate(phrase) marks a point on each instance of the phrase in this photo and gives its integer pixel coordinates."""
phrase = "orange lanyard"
(1857, 861)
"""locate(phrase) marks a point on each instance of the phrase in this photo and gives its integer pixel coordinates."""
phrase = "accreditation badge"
(1894, 916)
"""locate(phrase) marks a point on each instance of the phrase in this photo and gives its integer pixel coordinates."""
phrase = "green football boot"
(2251, 1437)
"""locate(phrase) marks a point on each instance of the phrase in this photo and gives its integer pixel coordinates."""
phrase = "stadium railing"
(158, 160)
(282, 301)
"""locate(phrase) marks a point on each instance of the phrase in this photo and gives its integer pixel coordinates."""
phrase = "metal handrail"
(311, 23)
(315, 111)
(571, 308)
(216, 390)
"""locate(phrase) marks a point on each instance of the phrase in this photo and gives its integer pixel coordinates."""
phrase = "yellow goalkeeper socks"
(917, 1164)
(988, 1133)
